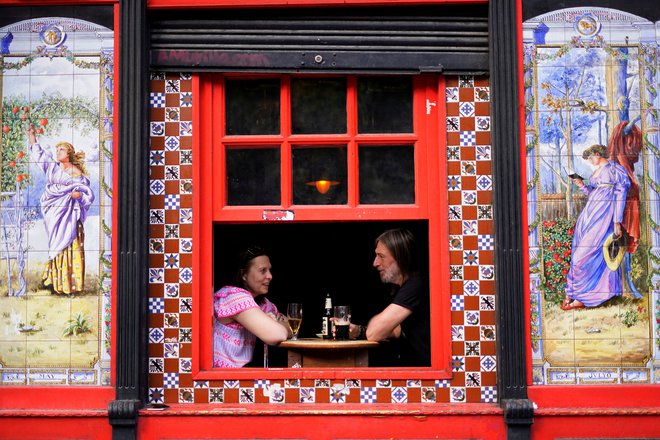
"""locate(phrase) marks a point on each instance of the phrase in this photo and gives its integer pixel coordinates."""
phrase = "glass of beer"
(342, 322)
(294, 318)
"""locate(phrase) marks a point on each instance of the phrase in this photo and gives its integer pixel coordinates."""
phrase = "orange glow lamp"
(323, 186)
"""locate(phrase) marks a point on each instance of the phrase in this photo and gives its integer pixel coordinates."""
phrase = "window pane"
(253, 176)
(253, 106)
(319, 175)
(318, 106)
(385, 105)
(387, 174)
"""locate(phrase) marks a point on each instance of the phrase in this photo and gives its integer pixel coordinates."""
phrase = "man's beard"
(390, 274)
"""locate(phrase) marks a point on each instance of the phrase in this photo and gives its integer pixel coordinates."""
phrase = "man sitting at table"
(407, 316)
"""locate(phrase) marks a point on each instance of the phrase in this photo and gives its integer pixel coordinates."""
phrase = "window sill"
(399, 409)
(323, 373)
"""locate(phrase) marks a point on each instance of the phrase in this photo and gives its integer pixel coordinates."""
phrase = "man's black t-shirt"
(415, 329)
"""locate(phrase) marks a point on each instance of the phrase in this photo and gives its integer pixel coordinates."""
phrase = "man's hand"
(353, 331)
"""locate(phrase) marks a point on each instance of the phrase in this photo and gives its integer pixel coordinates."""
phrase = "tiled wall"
(591, 77)
(56, 74)
(471, 254)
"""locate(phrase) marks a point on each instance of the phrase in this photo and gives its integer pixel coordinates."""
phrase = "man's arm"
(387, 324)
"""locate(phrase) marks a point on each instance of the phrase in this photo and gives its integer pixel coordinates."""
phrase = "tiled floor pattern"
(471, 258)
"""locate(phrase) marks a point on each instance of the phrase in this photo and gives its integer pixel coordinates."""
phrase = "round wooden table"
(316, 352)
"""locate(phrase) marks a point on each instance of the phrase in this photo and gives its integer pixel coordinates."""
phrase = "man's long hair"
(401, 243)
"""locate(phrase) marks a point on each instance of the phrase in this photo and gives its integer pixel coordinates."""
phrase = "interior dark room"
(310, 260)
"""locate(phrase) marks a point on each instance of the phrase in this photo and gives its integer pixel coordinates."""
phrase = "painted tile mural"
(170, 272)
(56, 177)
(593, 169)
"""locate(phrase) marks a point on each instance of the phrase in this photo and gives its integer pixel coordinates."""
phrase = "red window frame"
(209, 207)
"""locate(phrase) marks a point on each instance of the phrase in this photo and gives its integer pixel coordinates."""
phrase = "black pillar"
(132, 194)
(509, 225)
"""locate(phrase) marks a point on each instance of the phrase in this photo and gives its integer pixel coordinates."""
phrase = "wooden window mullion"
(285, 154)
(352, 146)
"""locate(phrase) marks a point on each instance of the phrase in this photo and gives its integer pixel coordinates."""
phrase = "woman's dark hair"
(401, 243)
(598, 150)
(244, 259)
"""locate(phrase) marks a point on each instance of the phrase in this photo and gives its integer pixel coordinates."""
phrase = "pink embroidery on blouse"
(233, 344)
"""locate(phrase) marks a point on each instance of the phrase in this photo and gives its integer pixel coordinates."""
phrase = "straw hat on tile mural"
(614, 251)
(587, 120)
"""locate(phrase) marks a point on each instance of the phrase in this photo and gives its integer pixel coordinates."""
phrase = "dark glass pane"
(385, 105)
(318, 106)
(253, 176)
(387, 175)
(253, 106)
(319, 175)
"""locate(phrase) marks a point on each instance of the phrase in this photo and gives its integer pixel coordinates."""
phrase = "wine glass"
(294, 317)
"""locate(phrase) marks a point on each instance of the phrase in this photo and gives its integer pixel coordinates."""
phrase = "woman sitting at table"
(243, 314)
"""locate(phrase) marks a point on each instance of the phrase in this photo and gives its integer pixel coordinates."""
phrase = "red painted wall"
(581, 425)
(322, 424)
(44, 425)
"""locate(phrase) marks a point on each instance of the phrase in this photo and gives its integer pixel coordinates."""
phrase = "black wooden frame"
(131, 256)
(507, 201)
(133, 205)
(443, 38)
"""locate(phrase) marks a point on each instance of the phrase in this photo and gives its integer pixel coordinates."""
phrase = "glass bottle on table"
(326, 320)
(294, 318)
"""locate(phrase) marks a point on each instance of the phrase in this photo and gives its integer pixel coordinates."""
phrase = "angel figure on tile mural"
(64, 204)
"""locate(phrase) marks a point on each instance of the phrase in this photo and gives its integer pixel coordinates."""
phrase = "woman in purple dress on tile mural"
(64, 202)
(590, 282)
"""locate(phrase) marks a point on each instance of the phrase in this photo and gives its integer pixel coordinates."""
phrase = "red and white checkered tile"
(471, 253)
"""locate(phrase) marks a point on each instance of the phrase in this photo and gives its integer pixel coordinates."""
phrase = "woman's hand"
(578, 182)
(277, 317)
(617, 229)
(281, 319)
(75, 195)
(32, 138)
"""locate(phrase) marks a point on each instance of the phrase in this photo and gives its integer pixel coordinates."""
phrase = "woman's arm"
(263, 326)
(41, 158)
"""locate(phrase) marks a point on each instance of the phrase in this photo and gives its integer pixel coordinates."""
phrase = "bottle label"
(324, 326)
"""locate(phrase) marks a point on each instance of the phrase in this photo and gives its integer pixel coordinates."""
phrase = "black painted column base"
(123, 416)
(518, 416)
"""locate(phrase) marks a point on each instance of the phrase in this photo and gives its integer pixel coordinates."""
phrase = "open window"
(314, 168)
